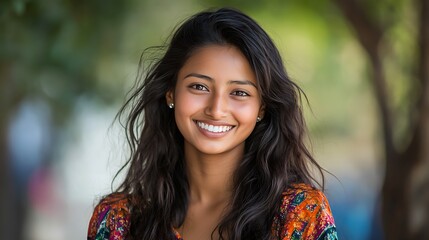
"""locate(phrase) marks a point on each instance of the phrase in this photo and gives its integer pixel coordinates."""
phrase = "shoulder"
(110, 219)
(304, 213)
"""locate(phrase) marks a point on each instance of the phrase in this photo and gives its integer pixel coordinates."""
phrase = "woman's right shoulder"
(111, 218)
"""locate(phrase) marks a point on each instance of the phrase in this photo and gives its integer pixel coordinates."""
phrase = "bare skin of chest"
(201, 220)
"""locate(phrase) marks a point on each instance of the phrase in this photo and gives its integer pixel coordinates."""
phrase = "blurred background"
(66, 67)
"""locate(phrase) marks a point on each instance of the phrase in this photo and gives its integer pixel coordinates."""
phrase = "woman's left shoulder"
(304, 213)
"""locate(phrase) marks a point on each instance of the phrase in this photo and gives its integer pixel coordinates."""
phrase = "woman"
(217, 144)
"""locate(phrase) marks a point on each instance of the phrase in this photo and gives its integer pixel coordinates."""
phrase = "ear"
(261, 111)
(169, 97)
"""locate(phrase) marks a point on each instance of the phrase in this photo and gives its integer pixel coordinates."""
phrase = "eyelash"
(200, 87)
(240, 94)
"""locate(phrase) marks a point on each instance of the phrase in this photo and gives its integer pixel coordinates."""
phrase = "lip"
(220, 128)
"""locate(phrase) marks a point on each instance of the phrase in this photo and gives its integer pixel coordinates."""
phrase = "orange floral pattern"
(304, 214)
(110, 220)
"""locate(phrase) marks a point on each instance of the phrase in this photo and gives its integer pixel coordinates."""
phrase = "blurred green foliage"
(62, 50)
(50, 50)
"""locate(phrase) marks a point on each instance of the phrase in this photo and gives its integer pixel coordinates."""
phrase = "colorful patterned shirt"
(304, 214)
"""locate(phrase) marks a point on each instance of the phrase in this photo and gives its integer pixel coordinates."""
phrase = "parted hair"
(275, 154)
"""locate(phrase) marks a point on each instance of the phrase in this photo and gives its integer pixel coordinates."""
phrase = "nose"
(217, 106)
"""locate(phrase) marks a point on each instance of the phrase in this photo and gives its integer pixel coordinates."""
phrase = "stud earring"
(258, 119)
(171, 105)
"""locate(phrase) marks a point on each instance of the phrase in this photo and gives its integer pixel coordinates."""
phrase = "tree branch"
(369, 34)
(424, 52)
(420, 134)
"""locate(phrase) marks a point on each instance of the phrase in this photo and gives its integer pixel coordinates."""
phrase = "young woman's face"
(216, 100)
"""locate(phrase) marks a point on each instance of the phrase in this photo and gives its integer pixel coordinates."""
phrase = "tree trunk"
(7, 199)
(399, 167)
(8, 224)
(420, 195)
(12, 206)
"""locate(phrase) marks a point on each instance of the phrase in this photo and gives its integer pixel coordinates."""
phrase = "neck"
(211, 176)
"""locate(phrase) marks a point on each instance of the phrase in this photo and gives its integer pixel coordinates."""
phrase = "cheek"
(246, 113)
(186, 105)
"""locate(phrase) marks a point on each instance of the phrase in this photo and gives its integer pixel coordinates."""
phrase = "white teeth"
(216, 129)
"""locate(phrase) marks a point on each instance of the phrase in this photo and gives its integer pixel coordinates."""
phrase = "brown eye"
(199, 87)
(240, 93)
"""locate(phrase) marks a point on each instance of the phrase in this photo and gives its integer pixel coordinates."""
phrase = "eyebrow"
(240, 82)
(197, 75)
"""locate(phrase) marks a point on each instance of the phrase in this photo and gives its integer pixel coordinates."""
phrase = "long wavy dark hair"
(275, 154)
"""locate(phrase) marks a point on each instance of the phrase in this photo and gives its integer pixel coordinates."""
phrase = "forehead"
(219, 62)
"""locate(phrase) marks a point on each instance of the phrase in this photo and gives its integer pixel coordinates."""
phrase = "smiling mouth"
(213, 128)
